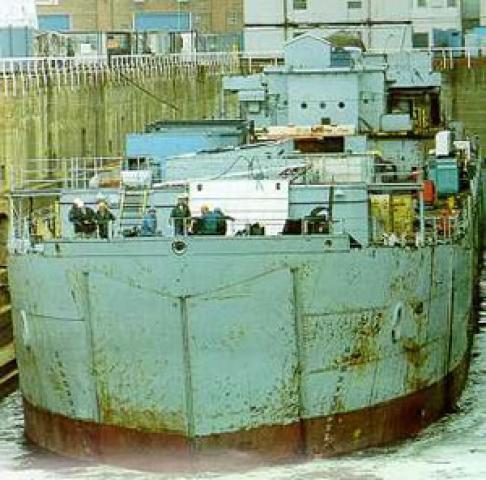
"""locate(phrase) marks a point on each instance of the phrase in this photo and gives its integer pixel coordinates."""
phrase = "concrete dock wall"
(465, 100)
(92, 115)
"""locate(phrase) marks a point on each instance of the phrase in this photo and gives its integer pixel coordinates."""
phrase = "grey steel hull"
(273, 347)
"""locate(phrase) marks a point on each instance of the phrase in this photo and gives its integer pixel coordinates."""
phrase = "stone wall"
(465, 100)
(93, 118)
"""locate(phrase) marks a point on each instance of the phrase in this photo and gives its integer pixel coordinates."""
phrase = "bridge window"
(300, 4)
(420, 40)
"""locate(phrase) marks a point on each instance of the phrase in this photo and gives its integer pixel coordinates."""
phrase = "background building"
(208, 16)
(379, 23)
(18, 22)
(470, 13)
(482, 12)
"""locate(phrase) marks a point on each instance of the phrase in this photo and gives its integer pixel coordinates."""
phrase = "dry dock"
(8, 365)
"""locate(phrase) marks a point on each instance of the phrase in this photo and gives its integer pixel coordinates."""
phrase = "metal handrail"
(40, 64)
(78, 172)
(65, 173)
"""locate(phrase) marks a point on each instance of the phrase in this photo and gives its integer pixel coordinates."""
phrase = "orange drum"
(429, 192)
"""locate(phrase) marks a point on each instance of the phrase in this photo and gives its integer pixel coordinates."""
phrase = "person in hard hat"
(83, 219)
(75, 216)
(149, 223)
(198, 227)
(181, 215)
(103, 219)
(208, 222)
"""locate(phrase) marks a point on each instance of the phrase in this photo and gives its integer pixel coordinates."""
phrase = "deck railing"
(31, 229)
(50, 177)
(230, 62)
(41, 66)
(38, 175)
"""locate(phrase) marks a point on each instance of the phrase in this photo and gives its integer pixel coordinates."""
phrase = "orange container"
(429, 192)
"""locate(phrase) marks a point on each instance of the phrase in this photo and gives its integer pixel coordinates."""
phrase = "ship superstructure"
(331, 313)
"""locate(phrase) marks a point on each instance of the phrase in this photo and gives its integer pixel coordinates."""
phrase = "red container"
(429, 192)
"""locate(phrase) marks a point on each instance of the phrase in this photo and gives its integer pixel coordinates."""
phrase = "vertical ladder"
(133, 204)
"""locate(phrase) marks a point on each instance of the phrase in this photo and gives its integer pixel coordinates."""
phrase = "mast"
(368, 22)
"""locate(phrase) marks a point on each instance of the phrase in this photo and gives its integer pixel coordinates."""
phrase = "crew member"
(221, 221)
(207, 224)
(149, 223)
(83, 218)
(181, 215)
(103, 219)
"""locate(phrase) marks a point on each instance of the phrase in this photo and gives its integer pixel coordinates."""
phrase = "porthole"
(341, 105)
(303, 105)
(179, 247)
(322, 105)
(418, 308)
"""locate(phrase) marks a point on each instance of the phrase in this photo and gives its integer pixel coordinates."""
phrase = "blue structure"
(162, 21)
(57, 23)
(445, 174)
(168, 139)
(451, 38)
(16, 42)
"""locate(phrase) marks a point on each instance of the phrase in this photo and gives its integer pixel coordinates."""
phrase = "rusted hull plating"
(320, 437)
(154, 360)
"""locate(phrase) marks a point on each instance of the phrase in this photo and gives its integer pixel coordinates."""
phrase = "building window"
(300, 4)
(155, 21)
(355, 5)
(54, 23)
(421, 3)
(420, 40)
(303, 105)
